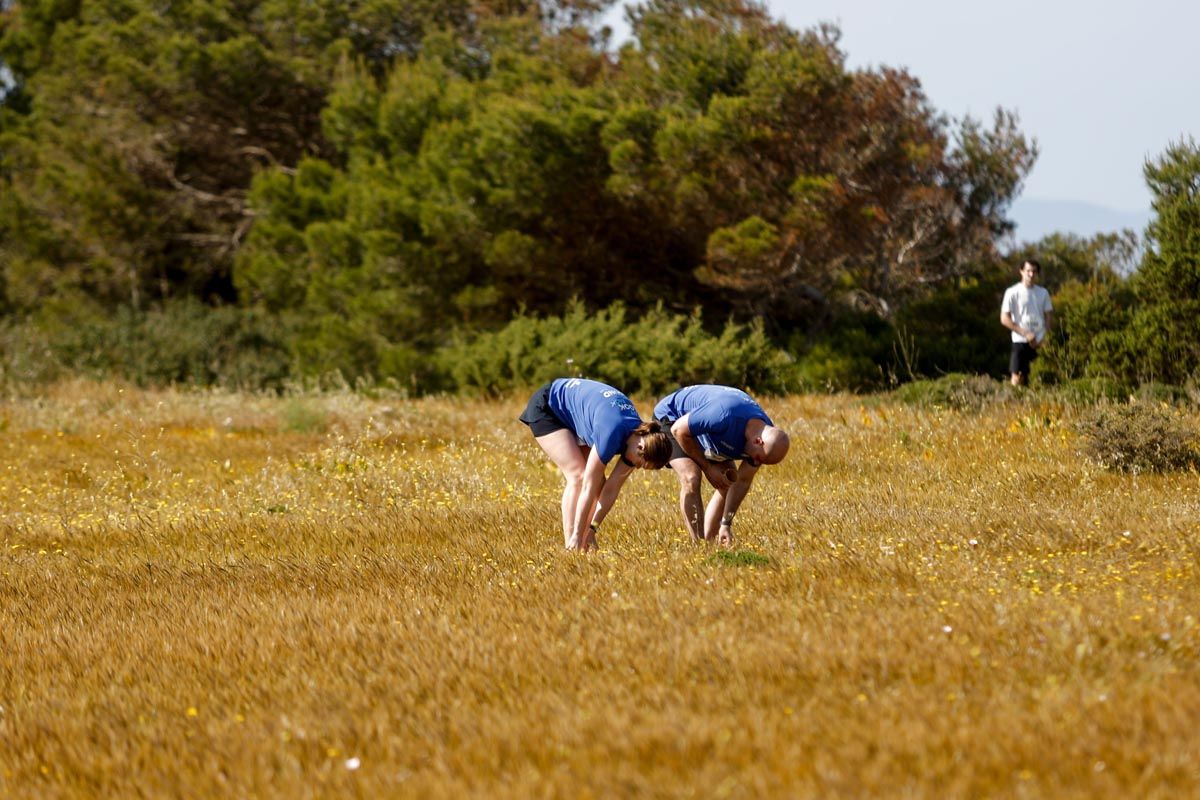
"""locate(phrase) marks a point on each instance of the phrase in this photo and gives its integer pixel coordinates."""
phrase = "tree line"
(255, 191)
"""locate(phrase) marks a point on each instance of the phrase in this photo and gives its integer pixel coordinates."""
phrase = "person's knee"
(689, 486)
(574, 477)
(689, 479)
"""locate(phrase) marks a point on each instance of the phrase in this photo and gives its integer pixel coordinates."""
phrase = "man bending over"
(712, 427)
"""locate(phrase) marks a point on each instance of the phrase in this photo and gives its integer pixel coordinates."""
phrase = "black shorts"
(538, 416)
(1023, 354)
(676, 450)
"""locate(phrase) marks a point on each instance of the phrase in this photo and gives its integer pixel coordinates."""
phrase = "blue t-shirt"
(717, 417)
(597, 413)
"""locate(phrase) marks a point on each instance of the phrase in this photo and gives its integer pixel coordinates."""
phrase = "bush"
(183, 342)
(849, 356)
(26, 355)
(1192, 390)
(1086, 391)
(1087, 338)
(957, 327)
(1154, 392)
(1140, 437)
(652, 355)
(956, 390)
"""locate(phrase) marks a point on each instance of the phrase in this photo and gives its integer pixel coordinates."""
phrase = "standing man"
(1027, 312)
(712, 426)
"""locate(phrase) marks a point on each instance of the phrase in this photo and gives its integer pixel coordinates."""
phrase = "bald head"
(775, 445)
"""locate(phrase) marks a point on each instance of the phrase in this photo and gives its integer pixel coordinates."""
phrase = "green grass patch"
(302, 417)
(739, 558)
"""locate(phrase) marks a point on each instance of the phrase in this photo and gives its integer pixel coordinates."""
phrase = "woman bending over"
(582, 425)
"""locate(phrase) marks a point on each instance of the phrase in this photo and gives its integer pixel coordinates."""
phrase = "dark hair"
(1033, 262)
(656, 447)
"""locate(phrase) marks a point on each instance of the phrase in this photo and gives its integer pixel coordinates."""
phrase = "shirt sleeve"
(611, 444)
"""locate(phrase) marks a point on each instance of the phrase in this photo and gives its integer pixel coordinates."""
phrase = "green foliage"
(1140, 437)
(736, 253)
(139, 193)
(849, 355)
(304, 416)
(383, 179)
(182, 342)
(739, 558)
(1067, 258)
(1172, 266)
(958, 391)
(1160, 344)
(1161, 393)
(26, 355)
(955, 328)
(482, 177)
(1086, 340)
(125, 168)
(1088, 391)
(1142, 330)
(651, 355)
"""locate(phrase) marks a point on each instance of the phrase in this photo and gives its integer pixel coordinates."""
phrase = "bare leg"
(713, 514)
(689, 495)
(569, 457)
(570, 498)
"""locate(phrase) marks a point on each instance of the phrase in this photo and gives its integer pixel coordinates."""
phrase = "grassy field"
(332, 595)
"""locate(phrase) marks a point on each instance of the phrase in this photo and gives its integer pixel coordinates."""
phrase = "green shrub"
(1086, 314)
(956, 328)
(1086, 391)
(739, 558)
(848, 356)
(652, 355)
(26, 355)
(828, 368)
(956, 390)
(1140, 437)
(303, 416)
(1154, 392)
(182, 342)
(1192, 390)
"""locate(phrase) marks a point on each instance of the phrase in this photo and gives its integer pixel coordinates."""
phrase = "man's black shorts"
(538, 416)
(676, 450)
(1023, 354)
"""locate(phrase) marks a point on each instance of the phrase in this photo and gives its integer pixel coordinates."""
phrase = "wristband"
(727, 521)
(594, 527)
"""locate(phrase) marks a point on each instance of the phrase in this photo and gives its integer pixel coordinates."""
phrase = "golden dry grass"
(211, 594)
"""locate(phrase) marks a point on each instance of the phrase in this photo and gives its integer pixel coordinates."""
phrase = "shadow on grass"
(739, 558)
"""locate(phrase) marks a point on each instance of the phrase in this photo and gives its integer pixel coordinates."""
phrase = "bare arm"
(1037, 343)
(737, 492)
(714, 472)
(608, 495)
(593, 483)
(1007, 321)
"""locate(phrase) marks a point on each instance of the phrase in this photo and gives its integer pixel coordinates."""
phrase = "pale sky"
(1101, 87)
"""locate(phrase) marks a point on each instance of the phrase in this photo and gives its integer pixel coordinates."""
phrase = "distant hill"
(1036, 218)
